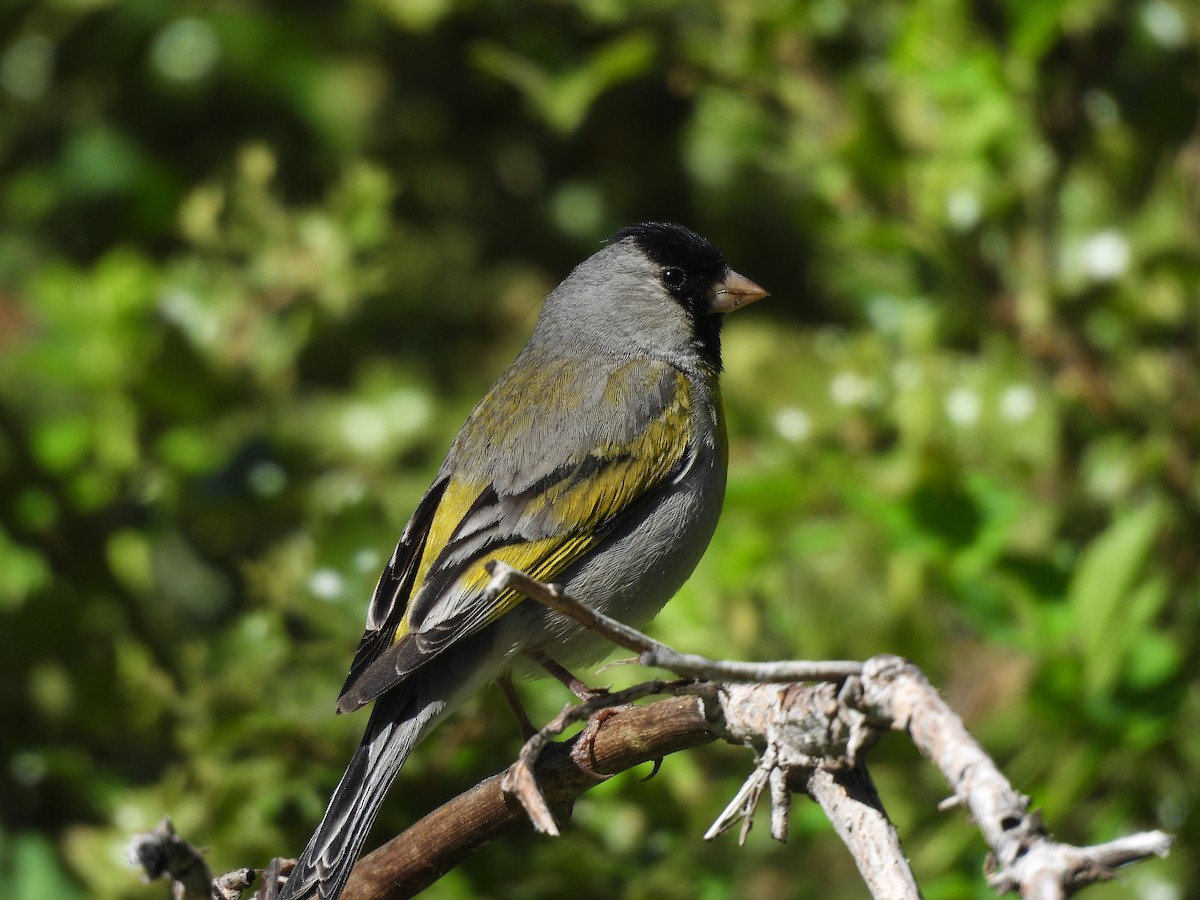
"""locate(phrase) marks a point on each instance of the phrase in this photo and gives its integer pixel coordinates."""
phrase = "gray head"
(658, 289)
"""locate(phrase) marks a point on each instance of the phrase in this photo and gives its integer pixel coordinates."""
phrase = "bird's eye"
(673, 277)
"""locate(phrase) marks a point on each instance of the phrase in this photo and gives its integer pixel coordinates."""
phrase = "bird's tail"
(400, 719)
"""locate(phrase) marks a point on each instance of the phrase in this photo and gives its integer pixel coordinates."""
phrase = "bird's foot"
(583, 754)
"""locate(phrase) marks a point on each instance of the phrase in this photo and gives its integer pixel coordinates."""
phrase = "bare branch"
(1051, 870)
(809, 737)
(437, 843)
(853, 807)
(1028, 861)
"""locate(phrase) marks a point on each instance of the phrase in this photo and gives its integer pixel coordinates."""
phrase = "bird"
(597, 461)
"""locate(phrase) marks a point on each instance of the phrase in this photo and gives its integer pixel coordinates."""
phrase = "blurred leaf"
(564, 98)
(1106, 603)
(29, 867)
(23, 574)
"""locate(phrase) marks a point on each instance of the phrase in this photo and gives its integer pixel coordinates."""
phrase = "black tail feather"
(397, 724)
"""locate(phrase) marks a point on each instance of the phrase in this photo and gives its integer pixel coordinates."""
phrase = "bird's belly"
(637, 569)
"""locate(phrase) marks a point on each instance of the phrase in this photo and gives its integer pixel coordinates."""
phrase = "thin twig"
(654, 654)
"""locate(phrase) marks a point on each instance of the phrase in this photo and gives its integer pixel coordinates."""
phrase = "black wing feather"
(394, 589)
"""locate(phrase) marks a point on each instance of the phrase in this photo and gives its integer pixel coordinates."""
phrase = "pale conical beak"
(734, 291)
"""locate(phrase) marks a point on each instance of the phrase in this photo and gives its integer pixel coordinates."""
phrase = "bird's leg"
(509, 690)
(584, 753)
(572, 684)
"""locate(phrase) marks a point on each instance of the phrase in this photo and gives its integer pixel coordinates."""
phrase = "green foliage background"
(257, 260)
